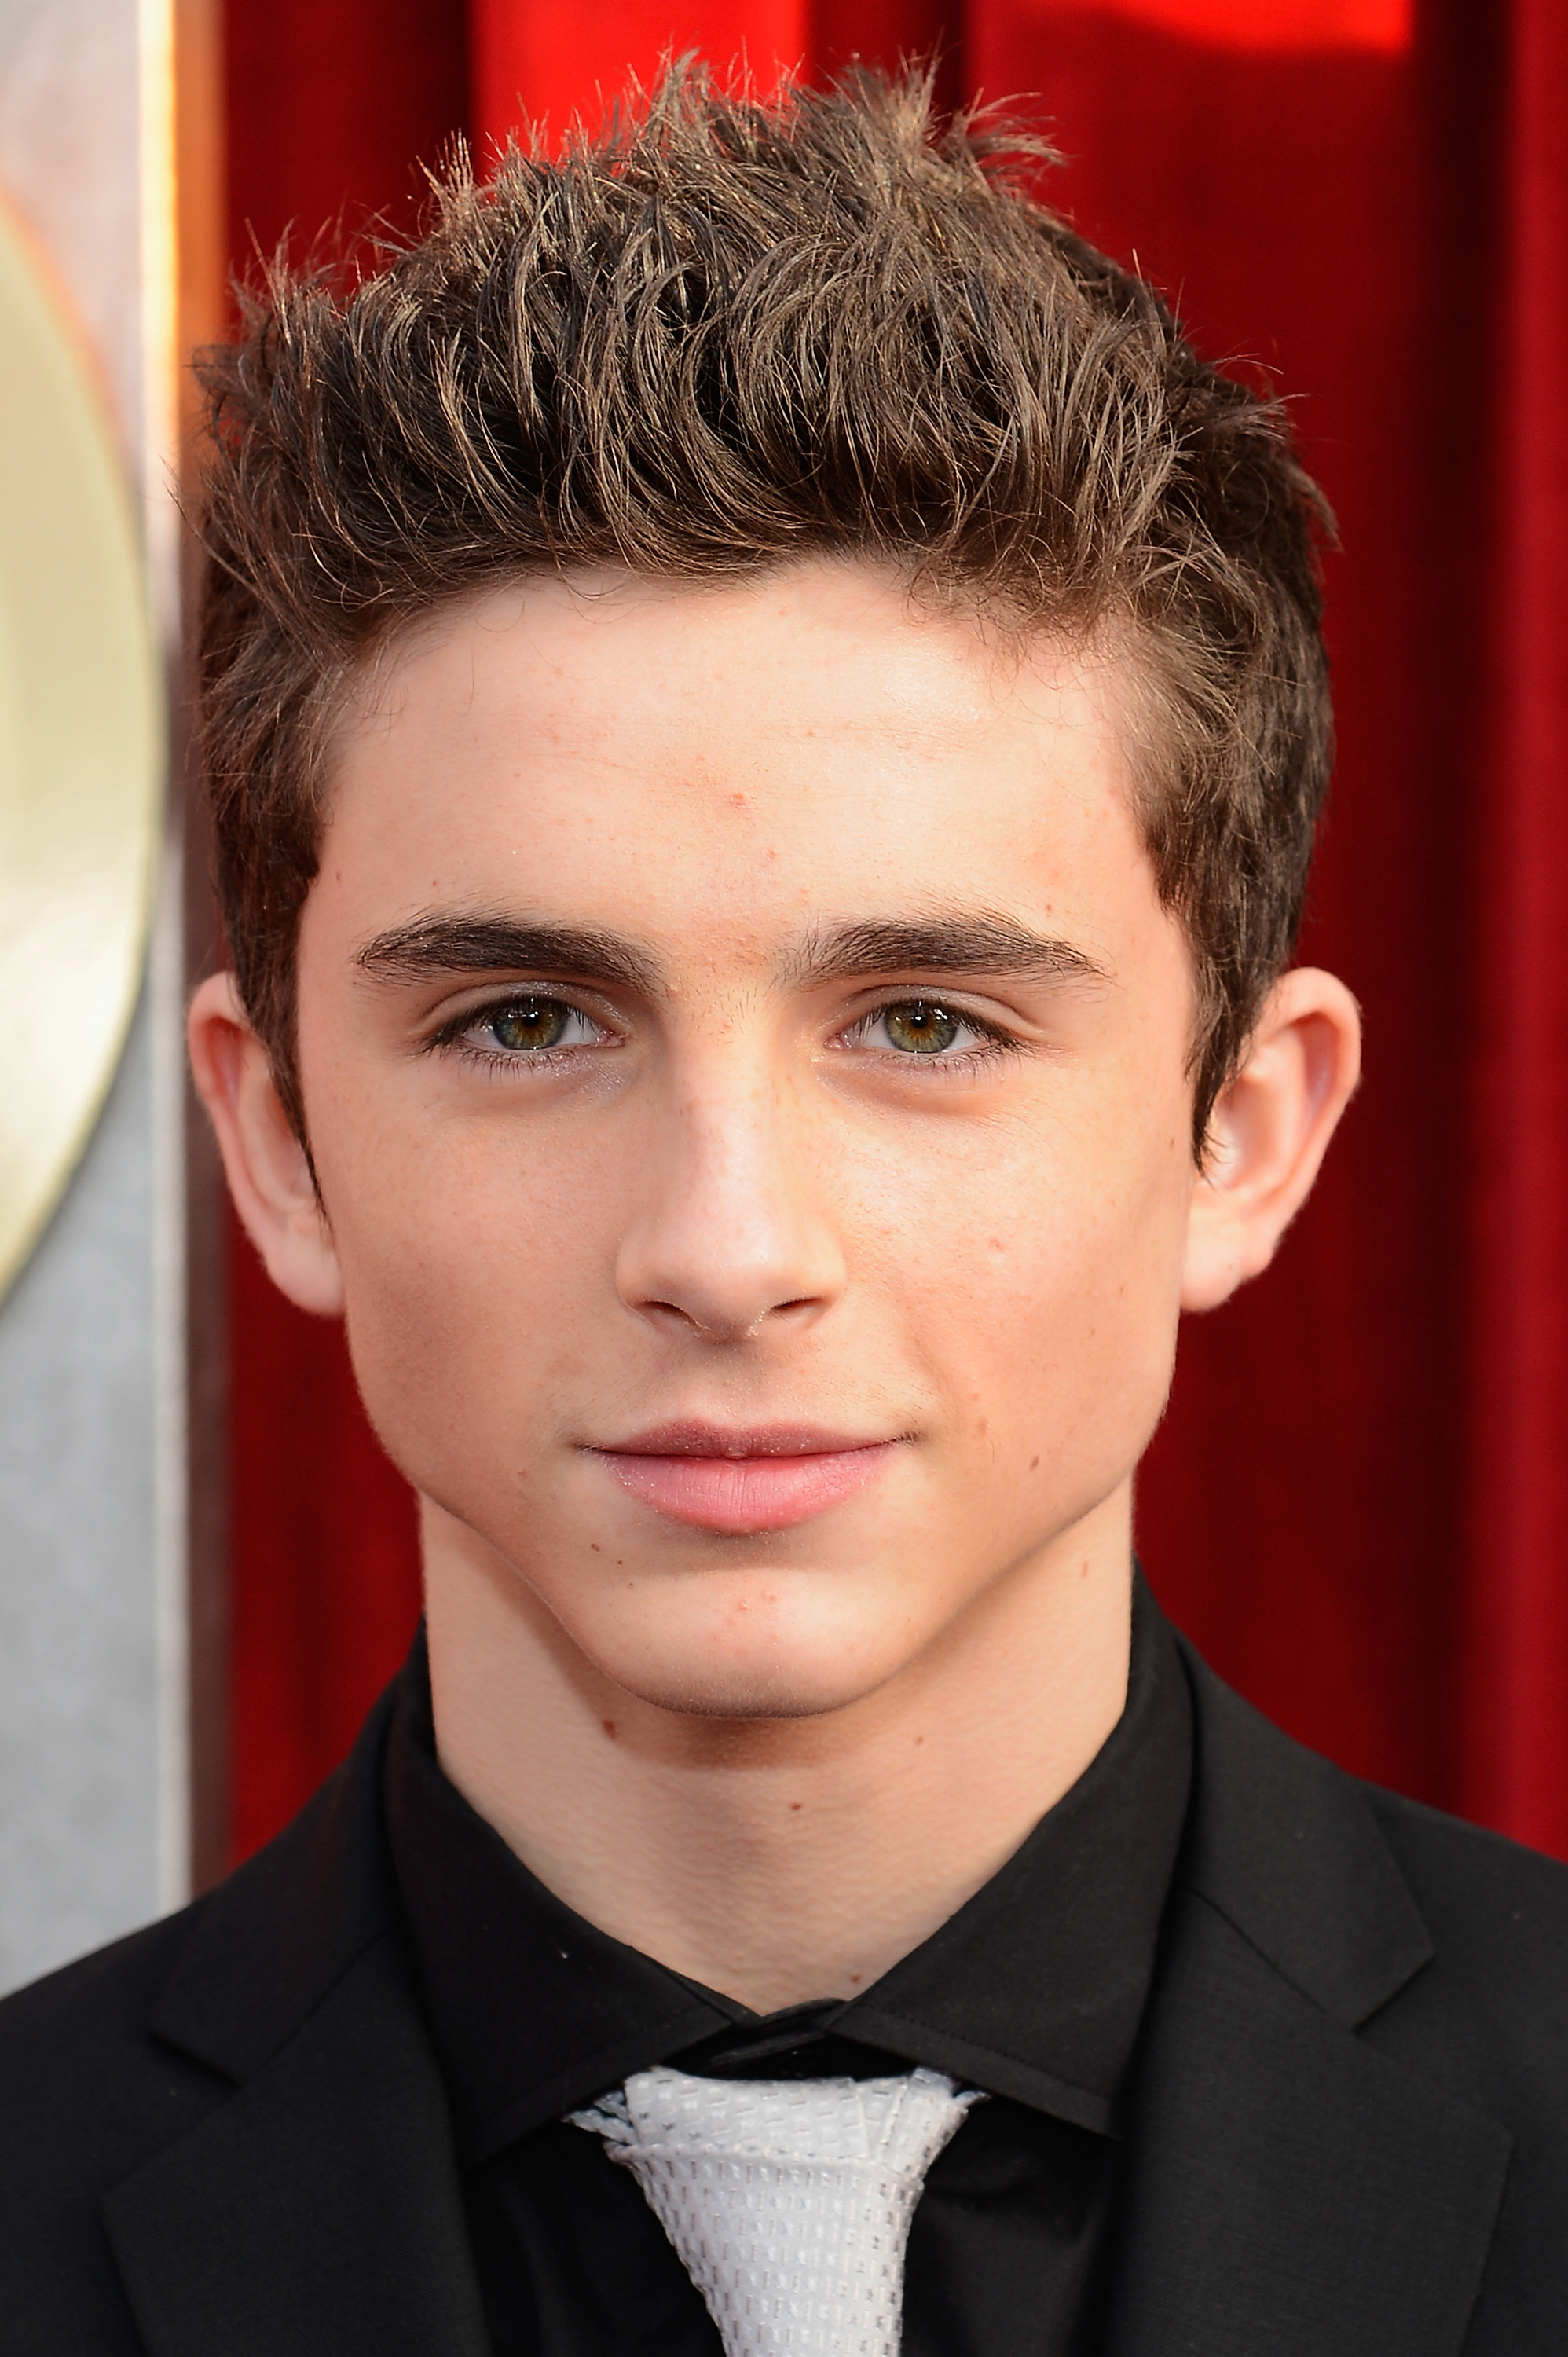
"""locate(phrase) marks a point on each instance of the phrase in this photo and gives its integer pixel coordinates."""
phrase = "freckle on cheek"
(609, 1727)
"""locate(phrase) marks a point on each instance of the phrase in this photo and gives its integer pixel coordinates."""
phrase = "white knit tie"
(788, 2200)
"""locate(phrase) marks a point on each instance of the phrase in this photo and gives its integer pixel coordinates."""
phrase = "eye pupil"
(920, 1026)
(529, 1023)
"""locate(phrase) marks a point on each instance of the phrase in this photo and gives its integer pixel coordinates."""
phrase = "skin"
(743, 1187)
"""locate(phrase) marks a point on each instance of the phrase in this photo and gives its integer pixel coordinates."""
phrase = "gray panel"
(94, 1656)
(71, 160)
(79, 1763)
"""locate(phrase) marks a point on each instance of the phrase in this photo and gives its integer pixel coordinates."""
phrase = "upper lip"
(690, 1438)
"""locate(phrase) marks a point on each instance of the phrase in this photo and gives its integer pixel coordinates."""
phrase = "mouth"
(721, 1478)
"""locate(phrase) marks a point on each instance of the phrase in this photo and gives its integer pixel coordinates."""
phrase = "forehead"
(748, 754)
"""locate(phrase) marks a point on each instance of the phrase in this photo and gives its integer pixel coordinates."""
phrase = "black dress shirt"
(1034, 1991)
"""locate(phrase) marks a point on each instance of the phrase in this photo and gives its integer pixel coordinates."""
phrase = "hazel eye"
(920, 1026)
(925, 1030)
(533, 1025)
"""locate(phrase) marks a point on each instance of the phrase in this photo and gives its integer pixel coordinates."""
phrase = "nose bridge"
(728, 1123)
(728, 1228)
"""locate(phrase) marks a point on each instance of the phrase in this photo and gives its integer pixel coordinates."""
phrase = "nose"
(730, 1236)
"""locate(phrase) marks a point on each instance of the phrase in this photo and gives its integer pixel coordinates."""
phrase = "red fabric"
(324, 1557)
(556, 63)
(1357, 1502)
(330, 105)
(1518, 1699)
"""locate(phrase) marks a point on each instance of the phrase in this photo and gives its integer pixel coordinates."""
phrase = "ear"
(269, 1172)
(1269, 1132)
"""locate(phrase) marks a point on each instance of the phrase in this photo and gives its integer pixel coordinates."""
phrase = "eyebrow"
(433, 947)
(979, 945)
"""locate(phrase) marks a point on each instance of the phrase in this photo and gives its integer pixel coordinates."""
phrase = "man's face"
(744, 1061)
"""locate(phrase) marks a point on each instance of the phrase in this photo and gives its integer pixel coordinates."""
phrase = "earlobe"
(1270, 1131)
(268, 1170)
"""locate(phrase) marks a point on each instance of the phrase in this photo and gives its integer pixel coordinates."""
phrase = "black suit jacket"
(227, 2137)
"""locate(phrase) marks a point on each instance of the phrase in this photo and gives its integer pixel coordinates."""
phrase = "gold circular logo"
(80, 749)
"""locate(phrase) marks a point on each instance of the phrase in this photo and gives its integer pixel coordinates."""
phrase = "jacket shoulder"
(86, 2095)
(1488, 2017)
(1471, 1881)
(1496, 1988)
(75, 2046)
(1443, 1944)
(108, 2063)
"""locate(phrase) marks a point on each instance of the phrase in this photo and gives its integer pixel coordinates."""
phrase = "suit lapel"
(1292, 2192)
(317, 2211)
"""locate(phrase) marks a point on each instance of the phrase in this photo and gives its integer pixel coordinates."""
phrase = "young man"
(766, 715)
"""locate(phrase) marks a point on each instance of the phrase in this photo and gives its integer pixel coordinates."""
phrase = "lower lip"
(742, 1494)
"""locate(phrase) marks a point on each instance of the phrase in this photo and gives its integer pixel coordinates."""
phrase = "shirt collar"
(1034, 1989)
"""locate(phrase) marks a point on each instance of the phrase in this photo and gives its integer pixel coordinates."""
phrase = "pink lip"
(719, 1478)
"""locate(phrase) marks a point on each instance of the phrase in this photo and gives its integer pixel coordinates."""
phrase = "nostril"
(672, 1310)
(716, 1326)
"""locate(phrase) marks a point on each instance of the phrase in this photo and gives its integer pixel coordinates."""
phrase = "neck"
(787, 1860)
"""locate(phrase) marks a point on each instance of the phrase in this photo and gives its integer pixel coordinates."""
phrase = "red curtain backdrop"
(1517, 1558)
(1358, 1502)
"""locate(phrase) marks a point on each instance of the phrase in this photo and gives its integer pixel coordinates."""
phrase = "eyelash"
(456, 1036)
(993, 1041)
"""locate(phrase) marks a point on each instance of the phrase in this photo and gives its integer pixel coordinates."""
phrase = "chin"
(802, 1673)
(741, 1693)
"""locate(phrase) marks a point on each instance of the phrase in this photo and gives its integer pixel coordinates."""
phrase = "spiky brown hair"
(720, 334)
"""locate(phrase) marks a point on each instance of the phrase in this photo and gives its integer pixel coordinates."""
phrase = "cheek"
(1046, 1301)
(466, 1282)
